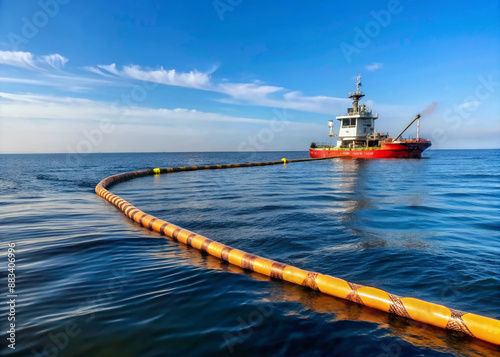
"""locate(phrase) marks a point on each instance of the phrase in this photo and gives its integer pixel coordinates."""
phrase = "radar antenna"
(356, 96)
(358, 84)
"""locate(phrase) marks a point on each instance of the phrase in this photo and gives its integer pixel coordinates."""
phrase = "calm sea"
(91, 282)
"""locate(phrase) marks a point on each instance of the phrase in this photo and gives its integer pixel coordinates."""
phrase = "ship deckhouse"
(359, 122)
(360, 140)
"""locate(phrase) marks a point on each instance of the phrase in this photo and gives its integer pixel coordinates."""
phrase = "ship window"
(349, 123)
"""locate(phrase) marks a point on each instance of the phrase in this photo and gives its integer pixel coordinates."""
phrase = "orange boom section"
(477, 326)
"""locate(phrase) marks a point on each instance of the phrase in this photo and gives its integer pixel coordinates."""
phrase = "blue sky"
(230, 75)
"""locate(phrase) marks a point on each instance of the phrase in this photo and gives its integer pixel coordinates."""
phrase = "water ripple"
(421, 228)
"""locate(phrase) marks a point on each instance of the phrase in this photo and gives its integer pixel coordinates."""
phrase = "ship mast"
(418, 128)
(356, 96)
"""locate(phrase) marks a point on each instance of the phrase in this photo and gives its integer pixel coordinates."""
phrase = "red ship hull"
(408, 149)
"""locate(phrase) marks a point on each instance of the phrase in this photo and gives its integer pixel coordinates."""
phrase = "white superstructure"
(359, 122)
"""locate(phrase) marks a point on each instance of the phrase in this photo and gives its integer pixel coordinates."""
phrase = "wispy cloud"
(96, 71)
(29, 61)
(374, 66)
(470, 104)
(68, 121)
(255, 93)
(17, 59)
(14, 105)
(318, 104)
(54, 60)
(192, 79)
(248, 91)
(71, 83)
(36, 82)
(111, 68)
(294, 100)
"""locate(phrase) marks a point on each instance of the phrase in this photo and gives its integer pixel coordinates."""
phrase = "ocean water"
(91, 282)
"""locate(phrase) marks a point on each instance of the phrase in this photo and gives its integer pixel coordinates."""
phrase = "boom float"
(477, 326)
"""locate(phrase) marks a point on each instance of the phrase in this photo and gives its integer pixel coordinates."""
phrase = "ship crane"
(418, 127)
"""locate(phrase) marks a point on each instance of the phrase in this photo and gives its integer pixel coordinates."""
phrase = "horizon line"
(189, 152)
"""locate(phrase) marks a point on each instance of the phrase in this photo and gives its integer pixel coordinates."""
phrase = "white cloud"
(17, 59)
(470, 104)
(254, 93)
(296, 101)
(52, 124)
(55, 60)
(27, 81)
(29, 61)
(192, 79)
(374, 66)
(71, 83)
(65, 80)
(248, 91)
(320, 104)
(96, 71)
(110, 68)
(36, 106)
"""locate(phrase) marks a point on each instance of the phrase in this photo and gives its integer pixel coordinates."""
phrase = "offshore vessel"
(358, 138)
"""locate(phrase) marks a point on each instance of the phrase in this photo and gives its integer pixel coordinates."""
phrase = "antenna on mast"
(358, 84)
(356, 96)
